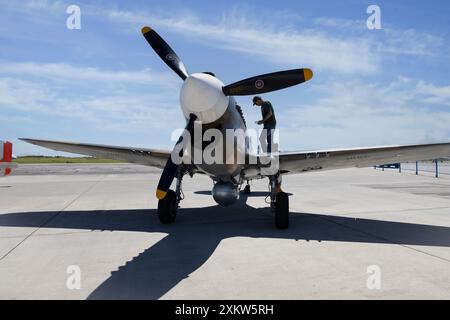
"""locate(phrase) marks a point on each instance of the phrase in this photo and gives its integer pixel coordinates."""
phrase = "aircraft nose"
(202, 95)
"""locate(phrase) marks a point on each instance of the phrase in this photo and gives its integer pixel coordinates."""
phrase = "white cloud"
(339, 23)
(434, 94)
(410, 42)
(355, 51)
(287, 47)
(352, 113)
(388, 40)
(125, 100)
(67, 73)
(332, 44)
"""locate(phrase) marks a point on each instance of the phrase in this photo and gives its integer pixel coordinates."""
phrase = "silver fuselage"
(231, 166)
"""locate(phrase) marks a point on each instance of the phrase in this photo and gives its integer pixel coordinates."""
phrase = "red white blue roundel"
(170, 56)
(259, 84)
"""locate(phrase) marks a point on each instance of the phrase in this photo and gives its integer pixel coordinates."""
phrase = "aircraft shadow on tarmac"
(198, 231)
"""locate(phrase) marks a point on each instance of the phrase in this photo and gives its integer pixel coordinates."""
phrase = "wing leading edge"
(147, 157)
(290, 162)
(297, 162)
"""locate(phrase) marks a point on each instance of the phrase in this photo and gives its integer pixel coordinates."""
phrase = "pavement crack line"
(390, 211)
(324, 217)
(46, 222)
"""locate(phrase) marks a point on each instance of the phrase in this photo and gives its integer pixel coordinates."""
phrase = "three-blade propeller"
(255, 85)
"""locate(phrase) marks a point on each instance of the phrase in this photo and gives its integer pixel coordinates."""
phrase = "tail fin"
(6, 151)
(5, 158)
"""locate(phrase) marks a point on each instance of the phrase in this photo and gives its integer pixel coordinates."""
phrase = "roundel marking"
(259, 84)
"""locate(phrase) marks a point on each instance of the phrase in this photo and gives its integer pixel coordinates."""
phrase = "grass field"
(42, 159)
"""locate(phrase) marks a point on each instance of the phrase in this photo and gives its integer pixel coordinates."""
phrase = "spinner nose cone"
(200, 92)
(202, 95)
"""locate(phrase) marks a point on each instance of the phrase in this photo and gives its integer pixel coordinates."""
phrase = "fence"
(435, 167)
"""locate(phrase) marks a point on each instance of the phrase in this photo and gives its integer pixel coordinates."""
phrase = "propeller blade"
(170, 169)
(165, 52)
(268, 82)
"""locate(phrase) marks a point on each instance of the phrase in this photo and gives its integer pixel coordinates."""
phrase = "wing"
(146, 157)
(297, 162)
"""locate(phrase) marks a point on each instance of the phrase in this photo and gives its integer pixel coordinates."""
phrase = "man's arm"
(266, 117)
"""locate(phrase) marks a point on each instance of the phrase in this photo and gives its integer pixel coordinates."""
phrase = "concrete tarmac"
(356, 233)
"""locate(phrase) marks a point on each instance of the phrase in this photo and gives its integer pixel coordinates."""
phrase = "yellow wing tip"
(308, 74)
(160, 194)
(146, 29)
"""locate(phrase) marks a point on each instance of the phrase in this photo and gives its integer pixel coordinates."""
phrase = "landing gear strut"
(247, 189)
(168, 207)
(279, 202)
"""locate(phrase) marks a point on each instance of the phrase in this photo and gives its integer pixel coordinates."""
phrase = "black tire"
(282, 210)
(167, 208)
(247, 189)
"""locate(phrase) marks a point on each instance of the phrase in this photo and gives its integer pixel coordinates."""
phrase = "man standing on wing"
(270, 123)
(268, 120)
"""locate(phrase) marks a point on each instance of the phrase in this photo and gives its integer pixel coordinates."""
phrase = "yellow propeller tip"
(146, 30)
(308, 74)
(160, 194)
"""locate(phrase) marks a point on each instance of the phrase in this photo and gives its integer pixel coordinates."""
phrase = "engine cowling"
(225, 193)
(201, 94)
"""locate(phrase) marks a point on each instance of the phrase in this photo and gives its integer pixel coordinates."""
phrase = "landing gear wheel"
(167, 208)
(282, 210)
(247, 189)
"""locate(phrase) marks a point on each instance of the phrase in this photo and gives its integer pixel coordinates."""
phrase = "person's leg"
(270, 133)
(263, 140)
(269, 140)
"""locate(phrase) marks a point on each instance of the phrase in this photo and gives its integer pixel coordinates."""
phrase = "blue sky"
(104, 84)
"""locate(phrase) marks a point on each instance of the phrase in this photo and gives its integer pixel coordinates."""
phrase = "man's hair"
(256, 98)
